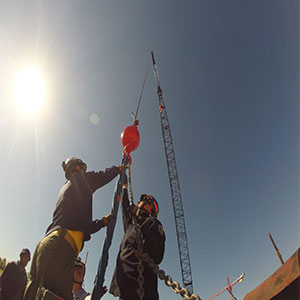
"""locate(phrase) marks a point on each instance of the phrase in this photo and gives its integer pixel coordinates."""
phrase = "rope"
(130, 186)
(99, 279)
(140, 267)
(183, 292)
(142, 92)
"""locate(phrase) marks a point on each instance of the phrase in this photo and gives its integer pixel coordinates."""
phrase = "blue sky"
(229, 72)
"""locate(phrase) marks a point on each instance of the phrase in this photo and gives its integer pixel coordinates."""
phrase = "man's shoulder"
(81, 295)
(12, 264)
(160, 227)
(12, 268)
(155, 225)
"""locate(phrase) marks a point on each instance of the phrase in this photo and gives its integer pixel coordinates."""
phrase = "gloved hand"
(105, 220)
(122, 168)
(103, 291)
(132, 209)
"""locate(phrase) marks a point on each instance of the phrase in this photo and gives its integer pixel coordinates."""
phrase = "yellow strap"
(74, 238)
(78, 239)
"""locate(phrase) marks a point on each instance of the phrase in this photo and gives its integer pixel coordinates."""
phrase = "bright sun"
(29, 90)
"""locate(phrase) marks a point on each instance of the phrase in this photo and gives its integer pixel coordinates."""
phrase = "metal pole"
(226, 288)
(229, 287)
(276, 249)
(86, 257)
(182, 241)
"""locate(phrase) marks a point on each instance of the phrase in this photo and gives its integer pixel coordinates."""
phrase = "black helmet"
(72, 161)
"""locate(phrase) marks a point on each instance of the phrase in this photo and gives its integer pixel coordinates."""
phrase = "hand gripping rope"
(130, 136)
(130, 139)
(118, 194)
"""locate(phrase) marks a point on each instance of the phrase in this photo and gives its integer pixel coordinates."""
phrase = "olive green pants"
(52, 268)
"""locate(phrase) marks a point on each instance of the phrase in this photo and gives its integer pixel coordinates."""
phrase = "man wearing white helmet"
(53, 262)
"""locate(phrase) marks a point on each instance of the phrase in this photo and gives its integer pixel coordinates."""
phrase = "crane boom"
(184, 257)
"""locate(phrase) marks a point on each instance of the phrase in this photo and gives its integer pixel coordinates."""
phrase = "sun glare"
(29, 90)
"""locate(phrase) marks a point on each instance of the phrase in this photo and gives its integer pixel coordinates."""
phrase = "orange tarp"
(288, 273)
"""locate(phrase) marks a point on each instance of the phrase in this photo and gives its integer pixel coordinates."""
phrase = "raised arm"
(125, 206)
(98, 179)
(98, 224)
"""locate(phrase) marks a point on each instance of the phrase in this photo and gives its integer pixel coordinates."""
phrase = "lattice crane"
(182, 240)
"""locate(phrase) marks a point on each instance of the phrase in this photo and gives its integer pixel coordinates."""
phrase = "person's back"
(74, 205)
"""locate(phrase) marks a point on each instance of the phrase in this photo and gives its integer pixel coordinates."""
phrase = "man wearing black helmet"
(145, 234)
(54, 258)
(13, 279)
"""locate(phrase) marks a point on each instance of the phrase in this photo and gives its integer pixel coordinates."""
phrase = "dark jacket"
(74, 207)
(12, 282)
(124, 283)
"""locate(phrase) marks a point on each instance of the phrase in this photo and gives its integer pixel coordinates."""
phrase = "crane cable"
(182, 291)
(134, 116)
(141, 94)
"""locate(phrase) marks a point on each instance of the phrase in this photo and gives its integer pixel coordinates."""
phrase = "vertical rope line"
(142, 92)
(130, 186)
